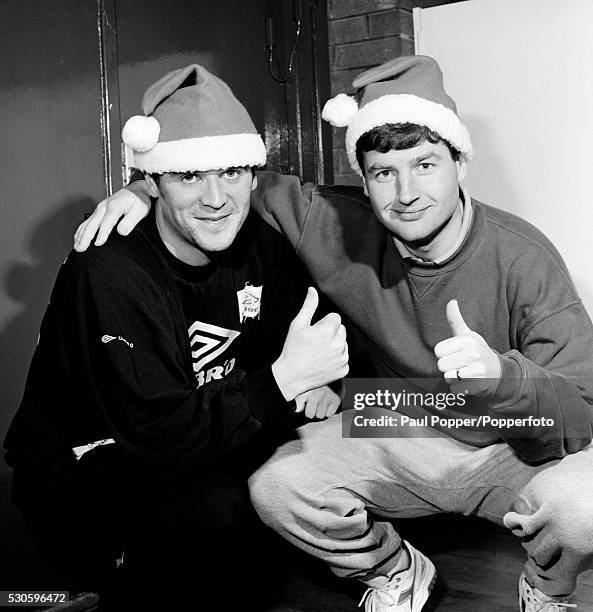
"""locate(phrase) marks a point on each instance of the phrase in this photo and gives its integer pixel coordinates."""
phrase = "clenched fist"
(313, 355)
(320, 403)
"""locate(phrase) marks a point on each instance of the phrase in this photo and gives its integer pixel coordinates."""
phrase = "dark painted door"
(243, 43)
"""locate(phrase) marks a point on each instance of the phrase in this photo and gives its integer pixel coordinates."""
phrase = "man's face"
(414, 192)
(200, 213)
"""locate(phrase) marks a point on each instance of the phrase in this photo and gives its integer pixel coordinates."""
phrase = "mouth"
(212, 220)
(410, 214)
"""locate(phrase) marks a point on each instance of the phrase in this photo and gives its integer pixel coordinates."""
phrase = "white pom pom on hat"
(141, 133)
(338, 111)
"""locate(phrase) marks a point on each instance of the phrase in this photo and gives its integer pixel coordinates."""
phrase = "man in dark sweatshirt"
(433, 285)
(169, 363)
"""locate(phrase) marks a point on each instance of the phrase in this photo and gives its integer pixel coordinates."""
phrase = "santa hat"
(192, 121)
(407, 89)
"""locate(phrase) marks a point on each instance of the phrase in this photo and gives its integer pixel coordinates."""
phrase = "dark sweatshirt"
(512, 287)
(171, 361)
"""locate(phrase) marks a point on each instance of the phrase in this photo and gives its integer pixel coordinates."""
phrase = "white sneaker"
(533, 600)
(406, 590)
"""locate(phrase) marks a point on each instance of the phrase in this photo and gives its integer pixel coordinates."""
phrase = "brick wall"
(362, 34)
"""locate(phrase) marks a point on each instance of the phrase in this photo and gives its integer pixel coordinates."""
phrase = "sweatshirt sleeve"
(116, 343)
(283, 203)
(548, 377)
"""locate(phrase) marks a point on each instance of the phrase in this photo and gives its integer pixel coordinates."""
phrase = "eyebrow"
(426, 156)
(379, 167)
(417, 160)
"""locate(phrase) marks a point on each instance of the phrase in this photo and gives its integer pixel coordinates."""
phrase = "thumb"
(455, 320)
(513, 520)
(308, 308)
(529, 524)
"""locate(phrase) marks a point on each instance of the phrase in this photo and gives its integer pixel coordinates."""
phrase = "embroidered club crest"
(249, 300)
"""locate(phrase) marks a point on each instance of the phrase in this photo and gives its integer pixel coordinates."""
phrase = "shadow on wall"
(29, 284)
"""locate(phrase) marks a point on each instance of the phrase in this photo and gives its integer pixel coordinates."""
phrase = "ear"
(254, 183)
(461, 169)
(153, 190)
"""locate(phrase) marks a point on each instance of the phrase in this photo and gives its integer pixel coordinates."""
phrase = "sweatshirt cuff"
(264, 395)
(511, 381)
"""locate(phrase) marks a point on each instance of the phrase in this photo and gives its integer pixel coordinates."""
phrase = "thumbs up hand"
(469, 365)
(313, 355)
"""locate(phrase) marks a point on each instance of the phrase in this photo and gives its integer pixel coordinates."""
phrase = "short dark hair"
(390, 136)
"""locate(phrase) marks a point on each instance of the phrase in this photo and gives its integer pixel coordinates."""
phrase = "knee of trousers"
(277, 489)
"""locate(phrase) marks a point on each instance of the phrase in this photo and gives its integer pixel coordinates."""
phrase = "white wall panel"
(521, 72)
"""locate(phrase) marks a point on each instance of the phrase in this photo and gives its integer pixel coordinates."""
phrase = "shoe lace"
(553, 606)
(380, 596)
(540, 602)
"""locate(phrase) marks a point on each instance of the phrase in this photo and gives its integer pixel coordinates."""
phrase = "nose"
(213, 195)
(406, 190)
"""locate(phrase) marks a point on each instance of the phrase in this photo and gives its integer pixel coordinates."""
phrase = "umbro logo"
(107, 338)
(208, 341)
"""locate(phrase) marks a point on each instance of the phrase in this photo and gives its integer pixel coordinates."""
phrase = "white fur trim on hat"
(339, 110)
(141, 133)
(407, 108)
(201, 154)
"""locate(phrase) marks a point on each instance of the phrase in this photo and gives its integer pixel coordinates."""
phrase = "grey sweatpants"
(329, 496)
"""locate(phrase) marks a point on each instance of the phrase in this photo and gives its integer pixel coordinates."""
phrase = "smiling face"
(200, 213)
(414, 192)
